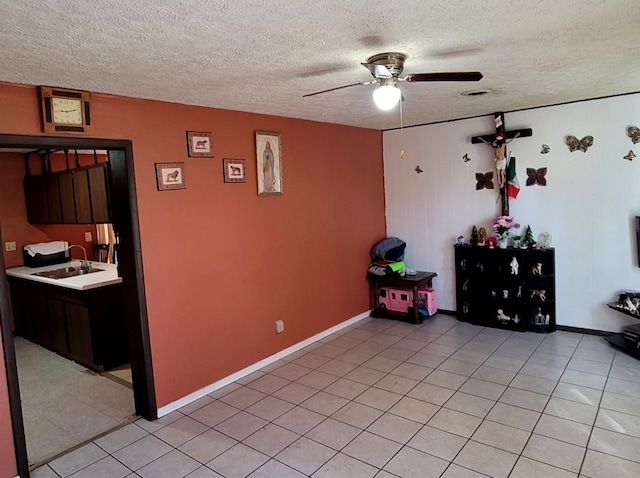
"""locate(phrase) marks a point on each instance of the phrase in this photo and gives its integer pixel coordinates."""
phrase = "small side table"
(418, 281)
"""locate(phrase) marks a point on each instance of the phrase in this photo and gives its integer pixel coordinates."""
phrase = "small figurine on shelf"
(536, 270)
(482, 236)
(492, 241)
(540, 294)
(539, 318)
(514, 266)
(474, 236)
(528, 237)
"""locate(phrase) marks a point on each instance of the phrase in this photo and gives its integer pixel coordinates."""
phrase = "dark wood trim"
(447, 312)
(580, 330)
(124, 210)
(15, 406)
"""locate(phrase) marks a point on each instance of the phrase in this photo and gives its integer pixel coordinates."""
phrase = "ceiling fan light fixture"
(386, 95)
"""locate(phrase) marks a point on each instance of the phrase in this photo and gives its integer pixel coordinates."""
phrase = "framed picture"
(170, 176)
(269, 163)
(234, 171)
(200, 144)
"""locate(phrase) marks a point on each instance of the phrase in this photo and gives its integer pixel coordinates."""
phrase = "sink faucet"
(84, 264)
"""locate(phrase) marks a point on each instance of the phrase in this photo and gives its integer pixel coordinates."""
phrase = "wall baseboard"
(580, 330)
(192, 397)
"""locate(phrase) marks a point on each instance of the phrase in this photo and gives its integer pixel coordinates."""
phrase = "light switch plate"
(87, 237)
(10, 246)
(279, 326)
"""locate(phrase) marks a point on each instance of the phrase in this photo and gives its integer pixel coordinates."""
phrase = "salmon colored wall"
(7, 453)
(221, 264)
(13, 213)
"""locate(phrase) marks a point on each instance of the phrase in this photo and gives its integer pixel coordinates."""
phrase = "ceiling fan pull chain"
(401, 134)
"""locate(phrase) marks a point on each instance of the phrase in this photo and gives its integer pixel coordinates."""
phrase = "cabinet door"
(57, 325)
(98, 191)
(79, 331)
(35, 194)
(42, 334)
(53, 199)
(82, 197)
(65, 180)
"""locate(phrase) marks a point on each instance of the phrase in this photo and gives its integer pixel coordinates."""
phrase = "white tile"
(577, 393)
(341, 466)
(268, 383)
(305, 455)
(486, 459)
(481, 388)
(413, 409)
(142, 452)
(77, 459)
(542, 371)
(333, 433)
(578, 412)
(554, 452)
(337, 367)
(528, 468)
(396, 384)
(524, 399)
(237, 462)
(458, 366)
(621, 403)
(412, 463)
(365, 376)
(270, 408)
(589, 366)
(324, 403)
(108, 466)
(291, 371)
(271, 439)
(172, 465)
(514, 416)
(617, 444)
(316, 379)
(299, 420)
(358, 415)
(207, 446)
(372, 449)
(243, 397)
(426, 359)
(214, 413)
(501, 436)
(463, 402)
(601, 465)
(625, 373)
(240, 426)
(563, 430)
(495, 375)
(584, 379)
(412, 371)
(455, 422)
(295, 393)
(446, 379)
(274, 468)
(457, 471)
(431, 393)
(120, 438)
(377, 398)
(394, 428)
(181, 431)
(345, 388)
(623, 387)
(618, 422)
(437, 442)
(533, 384)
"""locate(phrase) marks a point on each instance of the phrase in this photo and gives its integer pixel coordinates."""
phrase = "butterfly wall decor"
(630, 156)
(419, 170)
(576, 144)
(466, 158)
(536, 176)
(484, 181)
(545, 149)
(634, 133)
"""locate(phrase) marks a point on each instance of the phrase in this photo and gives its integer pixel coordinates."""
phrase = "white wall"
(588, 205)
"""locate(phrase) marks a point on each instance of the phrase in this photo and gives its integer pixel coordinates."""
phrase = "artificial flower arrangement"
(503, 225)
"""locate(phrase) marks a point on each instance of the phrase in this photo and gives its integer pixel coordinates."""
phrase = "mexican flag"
(513, 185)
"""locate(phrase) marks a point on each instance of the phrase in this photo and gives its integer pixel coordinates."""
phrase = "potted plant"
(502, 228)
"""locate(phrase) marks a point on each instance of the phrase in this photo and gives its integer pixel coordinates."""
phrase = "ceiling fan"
(386, 69)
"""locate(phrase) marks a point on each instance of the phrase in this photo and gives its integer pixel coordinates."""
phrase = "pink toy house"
(401, 300)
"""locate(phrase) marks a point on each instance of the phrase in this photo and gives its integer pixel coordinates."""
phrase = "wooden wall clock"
(65, 111)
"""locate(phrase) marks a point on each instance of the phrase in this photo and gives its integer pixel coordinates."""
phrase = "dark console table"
(629, 340)
(418, 281)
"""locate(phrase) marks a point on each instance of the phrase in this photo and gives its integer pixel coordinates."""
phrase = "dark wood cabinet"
(507, 288)
(86, 326)
(77, 196)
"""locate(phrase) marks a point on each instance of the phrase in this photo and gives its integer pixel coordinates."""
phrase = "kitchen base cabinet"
(86, 326)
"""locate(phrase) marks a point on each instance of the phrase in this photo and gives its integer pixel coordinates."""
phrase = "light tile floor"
(63, 403)
(386, 399)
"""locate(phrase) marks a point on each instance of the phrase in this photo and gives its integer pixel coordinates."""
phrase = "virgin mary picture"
(269, 163)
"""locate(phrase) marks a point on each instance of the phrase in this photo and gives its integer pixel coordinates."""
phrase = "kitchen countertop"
(82, 282)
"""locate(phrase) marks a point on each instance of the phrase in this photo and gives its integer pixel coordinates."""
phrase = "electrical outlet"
(279, 326)
(10, 246)
(87, 237)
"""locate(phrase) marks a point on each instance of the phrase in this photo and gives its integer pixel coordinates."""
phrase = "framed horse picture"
(199, 144)
(234, 170)
(170, 176)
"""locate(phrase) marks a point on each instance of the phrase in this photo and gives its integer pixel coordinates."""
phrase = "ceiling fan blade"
(337, 88)
(378, 71)
(454, 76)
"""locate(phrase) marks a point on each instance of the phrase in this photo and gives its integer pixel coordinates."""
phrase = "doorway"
(124, 212)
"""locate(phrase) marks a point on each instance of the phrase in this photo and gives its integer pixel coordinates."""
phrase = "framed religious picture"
(170, 176)
(234, 171)
(199, 144)
(269, 163)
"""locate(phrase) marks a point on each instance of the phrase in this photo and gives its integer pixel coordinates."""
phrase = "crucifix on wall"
(498, 141)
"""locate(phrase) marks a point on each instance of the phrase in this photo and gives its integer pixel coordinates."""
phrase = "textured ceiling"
(263, 55)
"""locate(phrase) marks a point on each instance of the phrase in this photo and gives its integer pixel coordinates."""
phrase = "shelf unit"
(491, 293)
